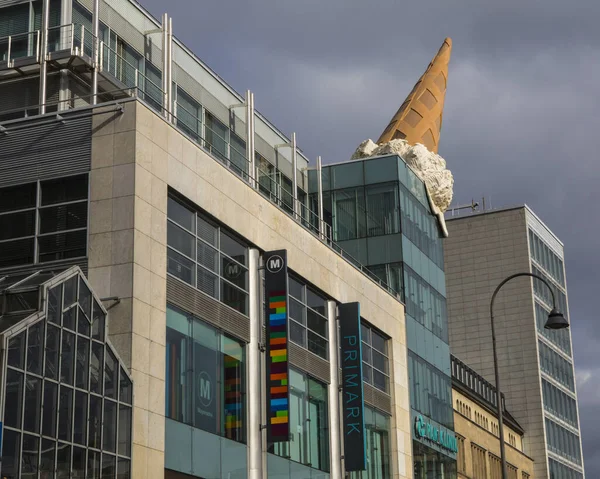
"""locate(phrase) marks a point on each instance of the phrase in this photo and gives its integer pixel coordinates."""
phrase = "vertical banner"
(353, 404)
(276, 299)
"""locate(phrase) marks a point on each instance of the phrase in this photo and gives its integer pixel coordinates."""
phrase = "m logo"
(274, 264)
(204, 389)
(233, 270)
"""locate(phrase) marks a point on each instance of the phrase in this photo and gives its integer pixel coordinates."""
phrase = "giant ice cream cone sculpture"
(419, 119)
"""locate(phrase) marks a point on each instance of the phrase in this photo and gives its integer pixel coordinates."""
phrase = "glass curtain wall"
(206, 377)
(309, 427)
(377, 427)
(68, 398)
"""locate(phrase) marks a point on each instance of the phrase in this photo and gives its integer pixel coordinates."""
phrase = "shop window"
(205, 377)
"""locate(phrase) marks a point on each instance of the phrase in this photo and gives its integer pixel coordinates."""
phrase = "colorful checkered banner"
(276, 299)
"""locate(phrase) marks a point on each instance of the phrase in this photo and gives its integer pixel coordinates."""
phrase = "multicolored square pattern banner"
(276, 296)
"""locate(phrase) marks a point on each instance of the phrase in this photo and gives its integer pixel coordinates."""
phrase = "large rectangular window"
(375, 358)
(559, 337)
(542, 292)
(44, 221)
(377, 429)
(559, 403)
(430, 391)
(430, 464)
(559, 470)
(309, 426)
(308, 317)
(205, 377)
(546, 258)
(556, 366)
(563, 442)
(205, 255)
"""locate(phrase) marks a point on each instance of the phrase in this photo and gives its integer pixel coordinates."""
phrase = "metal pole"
(333, 396)
(254, 370)
(165, 55)
(249, 147)
(95, 39)
(294, 175)
(170, 67)
(44, 52)
(496, 371)
(320, 198)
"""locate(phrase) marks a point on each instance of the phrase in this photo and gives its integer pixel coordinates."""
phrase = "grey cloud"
(521, 115)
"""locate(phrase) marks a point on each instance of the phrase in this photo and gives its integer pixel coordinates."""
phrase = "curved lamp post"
(555, 321)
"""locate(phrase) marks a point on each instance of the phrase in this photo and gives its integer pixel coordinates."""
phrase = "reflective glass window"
(375, 358)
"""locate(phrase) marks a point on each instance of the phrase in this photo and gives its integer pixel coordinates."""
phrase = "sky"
(520, 120)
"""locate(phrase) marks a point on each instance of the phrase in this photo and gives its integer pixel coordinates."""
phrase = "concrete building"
(476, 426)
(536, 365)
(121, 153)
(380, 214)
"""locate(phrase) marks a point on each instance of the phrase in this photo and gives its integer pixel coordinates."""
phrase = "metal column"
(254, 370)
(250, 157)
(334, 404)
(320, 198)
(96, 55)
(170, 69)
(295, 175)
(44, 54)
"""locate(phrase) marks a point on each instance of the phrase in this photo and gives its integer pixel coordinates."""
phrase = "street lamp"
(555, 321)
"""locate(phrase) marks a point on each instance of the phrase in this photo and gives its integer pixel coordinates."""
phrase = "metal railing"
(21, 45)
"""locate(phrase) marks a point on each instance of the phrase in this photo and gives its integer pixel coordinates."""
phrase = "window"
(559, 403)
(308, 317)
(559, 470)
(461, 460)
(430, 391)
(58, 207)
(205, 385)
(377, 429)
(189, 115)
(563, 442)
(309, 428)
(479, 463)
(206, 256)
(375, 358)
(553, 364)
(558, 337)
(543, 294)
(63, 396)
(546, 258)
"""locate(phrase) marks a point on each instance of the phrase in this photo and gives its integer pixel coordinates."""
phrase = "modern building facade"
(380, 214)
(171, 190)
(477, 432)
(536, 365)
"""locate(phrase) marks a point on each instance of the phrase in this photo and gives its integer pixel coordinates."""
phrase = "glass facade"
(67, 403)
(563, 442)
(205, 255)
(206, 376)
(558, 470)
(559, 403)
(43, 221)
(429, 463)
(375, 358)
(556, 366)
(377, 427)
(379, 213)
(308, 317)
(309, 431)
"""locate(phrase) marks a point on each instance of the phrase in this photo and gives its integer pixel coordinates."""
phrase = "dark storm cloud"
(521, 115)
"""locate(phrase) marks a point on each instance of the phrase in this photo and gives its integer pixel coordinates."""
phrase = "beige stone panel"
(124, 148)
(156, 431)
(139, 462)
(140, 426)
(175, 143)
(99, 251)
(156, 464)
(158, 258)
(159, 226)
(156, 395)
(121, 280)
(122, 213)
(159, 194)
(123, 180)
(144, 120)
(143, 183)
(160, 132)
(126, 121)
(143, 216)
(188, 155)
(157, 360)
(158, 326)
(142, 254)
(120, 317)
(122, 250)
(141, 388)
(99, 278)
(101, 214)
(159, 292)
(140, 354)
(140, 319)
(160, 162)
(101, 183)
(102, 151)
(122, 344)
(143, 151)
(142, 284)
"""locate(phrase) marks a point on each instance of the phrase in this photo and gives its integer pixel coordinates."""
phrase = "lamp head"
(556, 320)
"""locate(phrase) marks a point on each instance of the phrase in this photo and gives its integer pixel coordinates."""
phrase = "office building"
(122, 154)
(536, 365)
(477, 432)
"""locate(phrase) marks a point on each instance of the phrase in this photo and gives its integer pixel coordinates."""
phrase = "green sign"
(440, 437)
